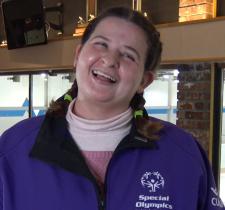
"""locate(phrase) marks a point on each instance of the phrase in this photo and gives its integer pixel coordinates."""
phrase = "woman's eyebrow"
(101, 37)
(133, 50)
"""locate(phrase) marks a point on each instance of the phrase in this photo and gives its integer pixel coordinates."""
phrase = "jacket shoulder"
(179, 139)
(17, 133)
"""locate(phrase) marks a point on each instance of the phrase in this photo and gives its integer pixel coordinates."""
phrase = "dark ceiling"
(161, 11)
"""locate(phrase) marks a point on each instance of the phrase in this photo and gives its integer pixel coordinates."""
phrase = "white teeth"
(104, 75)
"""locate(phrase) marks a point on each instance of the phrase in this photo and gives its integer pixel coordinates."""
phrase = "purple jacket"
(41, 168)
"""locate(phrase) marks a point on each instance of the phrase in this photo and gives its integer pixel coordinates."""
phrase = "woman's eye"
(128, 56)
(101, 44)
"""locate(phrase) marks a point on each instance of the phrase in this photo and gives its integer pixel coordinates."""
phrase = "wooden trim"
(139, 5)
(212, 83)
(37, 69)
(192, 60)
(87, 8)
(136, 5)
(216, 102)
(62, 38)
(91, 8)
(166, 25)
(214, 8)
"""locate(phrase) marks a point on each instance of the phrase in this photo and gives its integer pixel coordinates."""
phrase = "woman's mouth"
(103, 76)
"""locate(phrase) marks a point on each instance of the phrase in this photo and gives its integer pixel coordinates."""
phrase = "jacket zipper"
(101, 196)
(104, 194)
(106, 178)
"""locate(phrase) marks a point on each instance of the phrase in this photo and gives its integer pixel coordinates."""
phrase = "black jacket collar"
(55, 145)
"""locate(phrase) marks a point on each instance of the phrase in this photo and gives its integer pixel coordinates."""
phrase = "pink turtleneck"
(97, 139)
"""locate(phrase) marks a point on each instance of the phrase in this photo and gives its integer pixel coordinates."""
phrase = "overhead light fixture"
(175, 73)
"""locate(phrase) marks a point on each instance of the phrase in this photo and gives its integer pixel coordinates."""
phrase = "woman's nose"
(111, 59)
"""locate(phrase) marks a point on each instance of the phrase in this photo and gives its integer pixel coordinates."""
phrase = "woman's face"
(110, 65)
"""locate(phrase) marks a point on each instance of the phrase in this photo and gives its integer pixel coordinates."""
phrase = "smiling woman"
(97, 148)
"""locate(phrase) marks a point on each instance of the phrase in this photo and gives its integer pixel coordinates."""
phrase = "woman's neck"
(96, 111)
(98, 135)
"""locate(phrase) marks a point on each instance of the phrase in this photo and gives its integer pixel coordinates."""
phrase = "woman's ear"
(147, 79)
(77, 53)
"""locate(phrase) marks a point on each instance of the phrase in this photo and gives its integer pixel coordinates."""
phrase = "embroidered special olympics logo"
(216, 200)
(152, 181)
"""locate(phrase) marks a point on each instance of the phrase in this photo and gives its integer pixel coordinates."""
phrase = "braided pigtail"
(60, 106)
(144, 125)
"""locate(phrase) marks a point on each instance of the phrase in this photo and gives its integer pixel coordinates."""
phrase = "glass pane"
(163, 11)
(161, 96)
(47, 88)
(40, 83)
(13, 100)
(104, 4)
(222, 175)
(59, 84)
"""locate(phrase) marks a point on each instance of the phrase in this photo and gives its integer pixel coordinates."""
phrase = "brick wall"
(193, 107)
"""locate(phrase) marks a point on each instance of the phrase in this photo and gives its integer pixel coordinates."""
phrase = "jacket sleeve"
(1, 195)
(1, 184)
(1, 170)
(208, 195)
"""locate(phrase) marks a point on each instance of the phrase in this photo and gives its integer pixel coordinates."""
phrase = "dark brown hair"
(144, 125)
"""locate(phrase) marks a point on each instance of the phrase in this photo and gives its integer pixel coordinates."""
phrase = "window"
(14, 99)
